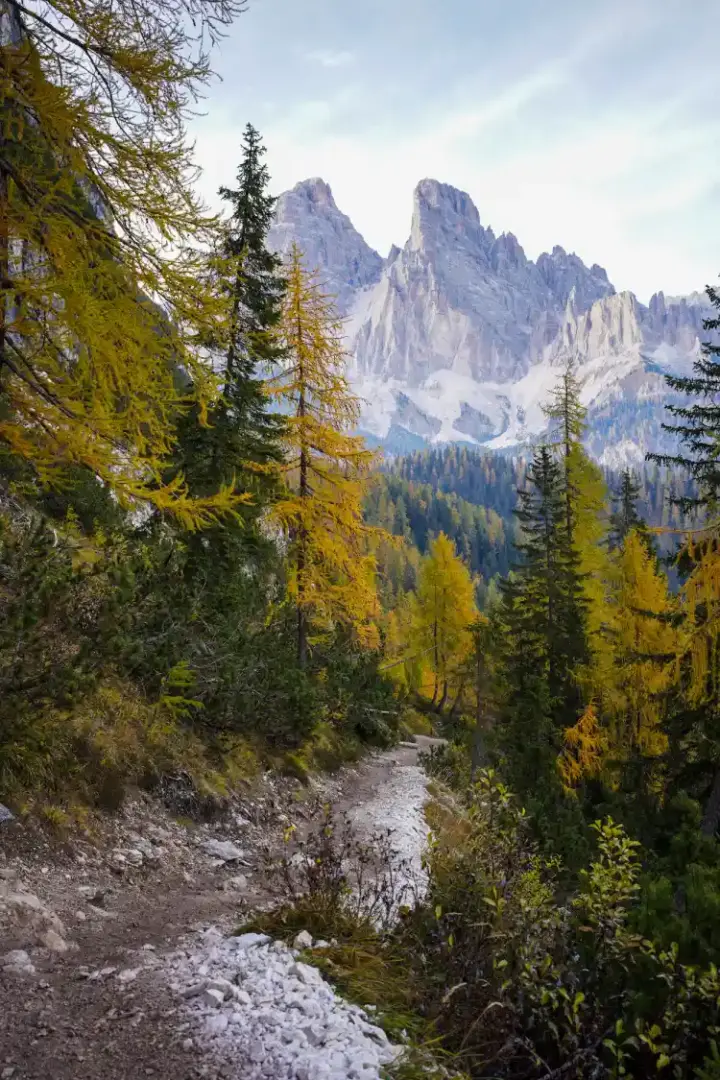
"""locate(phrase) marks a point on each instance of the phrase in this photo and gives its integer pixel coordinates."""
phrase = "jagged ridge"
(458, 336)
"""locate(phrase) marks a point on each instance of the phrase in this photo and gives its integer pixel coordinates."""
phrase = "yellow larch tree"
(106, 268)
(331, 568)
(444, 611)
(640, 666)
(584, 748)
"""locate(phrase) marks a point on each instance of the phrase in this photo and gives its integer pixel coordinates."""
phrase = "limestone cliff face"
(308, 216)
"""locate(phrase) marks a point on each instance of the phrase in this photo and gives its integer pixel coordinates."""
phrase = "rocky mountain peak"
(459, 335)
(330, 243)
(563, 272)
(441, 210)
(316, 191)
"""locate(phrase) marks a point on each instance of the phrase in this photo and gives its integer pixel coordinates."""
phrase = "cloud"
(606, 146)
(330, 58)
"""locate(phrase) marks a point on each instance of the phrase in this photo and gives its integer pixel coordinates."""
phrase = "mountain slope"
(458, 336)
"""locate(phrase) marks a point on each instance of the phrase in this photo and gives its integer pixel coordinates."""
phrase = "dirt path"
(99, 1012)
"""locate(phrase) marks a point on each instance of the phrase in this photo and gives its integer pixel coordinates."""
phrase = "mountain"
(308, 216)
(459, 337)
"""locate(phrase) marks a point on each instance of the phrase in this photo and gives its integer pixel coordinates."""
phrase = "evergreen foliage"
(625, 515)
(697, 423)
(239, 441)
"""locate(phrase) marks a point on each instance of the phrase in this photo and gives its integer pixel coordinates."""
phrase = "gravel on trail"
(152, 982)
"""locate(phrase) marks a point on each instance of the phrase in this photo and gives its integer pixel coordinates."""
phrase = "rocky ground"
(111, 943)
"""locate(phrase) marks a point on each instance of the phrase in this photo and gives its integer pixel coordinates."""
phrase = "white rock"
(17, 962)
(303, 940)
(53, 941)
(216, 1025)
(224, 850)
(25, 913)
(213, 998)
(247, 941)
(129, 975)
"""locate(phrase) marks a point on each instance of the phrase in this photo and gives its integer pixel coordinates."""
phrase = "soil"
(76, 1019)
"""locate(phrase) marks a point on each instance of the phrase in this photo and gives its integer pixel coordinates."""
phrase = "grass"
(366, 968)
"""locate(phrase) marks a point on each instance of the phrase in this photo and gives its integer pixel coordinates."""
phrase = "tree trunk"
(456, 702)
(436, 661)
(4, 262)
(477, 756)
(301, 569)
(711, 817)
(302, 532)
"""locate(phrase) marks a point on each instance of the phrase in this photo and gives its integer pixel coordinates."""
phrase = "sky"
(594, 125)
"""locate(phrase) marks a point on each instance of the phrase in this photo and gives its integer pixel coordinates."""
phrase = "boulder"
(55, 942)
(224, 850)
(303, 940)
(23, 914)
(17, 962)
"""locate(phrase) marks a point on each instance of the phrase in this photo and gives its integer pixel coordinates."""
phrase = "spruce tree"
(625, 516)
(567, 416)
(697, 423)
(543, 615)
(697, 426)
(243, 438)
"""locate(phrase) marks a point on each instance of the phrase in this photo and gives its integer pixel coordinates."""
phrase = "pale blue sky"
(595, 125)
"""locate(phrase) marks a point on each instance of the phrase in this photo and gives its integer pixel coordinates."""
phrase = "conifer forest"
(205, 570)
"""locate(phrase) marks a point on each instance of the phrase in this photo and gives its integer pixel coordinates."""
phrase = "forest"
(203, 568)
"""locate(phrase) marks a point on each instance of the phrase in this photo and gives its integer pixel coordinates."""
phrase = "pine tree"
(697, 425)
(443, 613)
(542, 630)
(331, 567)
(242, 438)
(625, 516)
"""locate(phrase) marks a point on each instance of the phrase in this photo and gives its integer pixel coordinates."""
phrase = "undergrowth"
(351, 895)
(496, 969)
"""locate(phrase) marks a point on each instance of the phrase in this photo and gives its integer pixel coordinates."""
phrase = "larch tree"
(444, 611)
(645, 650)
(331, 568)
(106, 291)
(583, 752)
